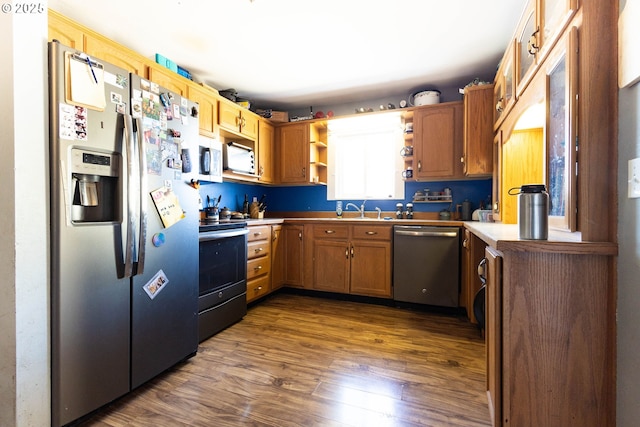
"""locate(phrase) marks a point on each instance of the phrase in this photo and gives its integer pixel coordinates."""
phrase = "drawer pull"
(257, 250)
(329, 231)
(258, 268)
(257, 233)
(371, 233)
(259, 288)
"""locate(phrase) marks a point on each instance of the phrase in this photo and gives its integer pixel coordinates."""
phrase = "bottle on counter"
(245, 207)
(398, 210)
(409, 210)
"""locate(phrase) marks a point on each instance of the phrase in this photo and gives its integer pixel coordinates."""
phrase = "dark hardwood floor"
(304, 361)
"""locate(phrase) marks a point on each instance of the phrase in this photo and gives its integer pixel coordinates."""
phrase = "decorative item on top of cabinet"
(477, 158)
(437, 141)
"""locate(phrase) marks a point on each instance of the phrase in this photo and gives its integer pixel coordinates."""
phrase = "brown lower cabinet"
(472, 253)
(550, 334)
(353, 259)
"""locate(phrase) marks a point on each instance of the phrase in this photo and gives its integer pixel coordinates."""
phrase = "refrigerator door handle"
(131, 189)
(143, 194)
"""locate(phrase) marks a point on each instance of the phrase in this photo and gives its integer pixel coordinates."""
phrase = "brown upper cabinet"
(208, 105)
(238, 120)
(65, 31)
(477, 157)
(541, 25)
(437, 141)
(266, 147)
(504, 87)
(302, 152)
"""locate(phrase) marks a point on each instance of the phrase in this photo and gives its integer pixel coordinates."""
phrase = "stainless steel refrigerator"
(124, 231)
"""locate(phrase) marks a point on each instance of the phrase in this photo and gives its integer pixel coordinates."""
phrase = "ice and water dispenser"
(95, 184)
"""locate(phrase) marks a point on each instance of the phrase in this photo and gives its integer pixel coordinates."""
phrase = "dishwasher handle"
(426, 233)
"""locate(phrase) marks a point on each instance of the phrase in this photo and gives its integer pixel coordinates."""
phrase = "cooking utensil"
(425, 97)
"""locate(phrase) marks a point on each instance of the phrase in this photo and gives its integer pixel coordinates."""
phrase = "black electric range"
(223, 273)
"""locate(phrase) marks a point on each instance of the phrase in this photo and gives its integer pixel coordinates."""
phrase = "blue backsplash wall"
(314, 197)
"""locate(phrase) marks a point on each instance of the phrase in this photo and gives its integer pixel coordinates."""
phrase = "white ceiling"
(291, 53)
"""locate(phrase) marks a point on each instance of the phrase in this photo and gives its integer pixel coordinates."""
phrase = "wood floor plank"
(304, 361)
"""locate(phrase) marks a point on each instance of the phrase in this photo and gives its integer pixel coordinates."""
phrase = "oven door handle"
(217, 235)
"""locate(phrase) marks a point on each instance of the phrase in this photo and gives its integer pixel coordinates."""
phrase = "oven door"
(223, 259)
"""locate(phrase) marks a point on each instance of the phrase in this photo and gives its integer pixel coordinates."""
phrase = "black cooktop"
(225, 224)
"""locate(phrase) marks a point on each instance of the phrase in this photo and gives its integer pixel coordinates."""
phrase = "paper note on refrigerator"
(84, 82)
(168, 206)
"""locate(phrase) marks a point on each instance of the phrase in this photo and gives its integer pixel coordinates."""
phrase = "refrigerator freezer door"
(164, 296)
(90, 298)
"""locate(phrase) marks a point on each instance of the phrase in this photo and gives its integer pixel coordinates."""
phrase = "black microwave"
(239, 158)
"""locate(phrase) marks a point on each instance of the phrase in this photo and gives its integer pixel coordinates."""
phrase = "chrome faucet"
(379, 211)
(360, 209)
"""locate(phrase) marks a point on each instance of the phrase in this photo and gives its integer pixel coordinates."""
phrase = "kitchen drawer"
(371, 232)
(330, 231)
(259, 232)
(258, 267)
(258, 248)
(257, 288)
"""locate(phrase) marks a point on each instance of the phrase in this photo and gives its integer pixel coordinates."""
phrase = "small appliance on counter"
(533, 211)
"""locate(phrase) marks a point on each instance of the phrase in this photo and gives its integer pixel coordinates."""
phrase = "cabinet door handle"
(300, 235)
(329, 231)
(419, 165)
(371, 233)
(464, 243)
(500, 105)
(352, 251)
(346, 253)
(482, 270)
(462, 159)
(532, 44)
(304, 172)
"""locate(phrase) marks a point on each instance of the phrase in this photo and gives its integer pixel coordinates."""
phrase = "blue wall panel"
(314, 197)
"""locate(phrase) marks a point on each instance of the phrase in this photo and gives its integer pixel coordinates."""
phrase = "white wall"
(628, 391)
(24, 294)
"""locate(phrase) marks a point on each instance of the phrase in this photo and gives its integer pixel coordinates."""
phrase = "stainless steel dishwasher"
(426, 265)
